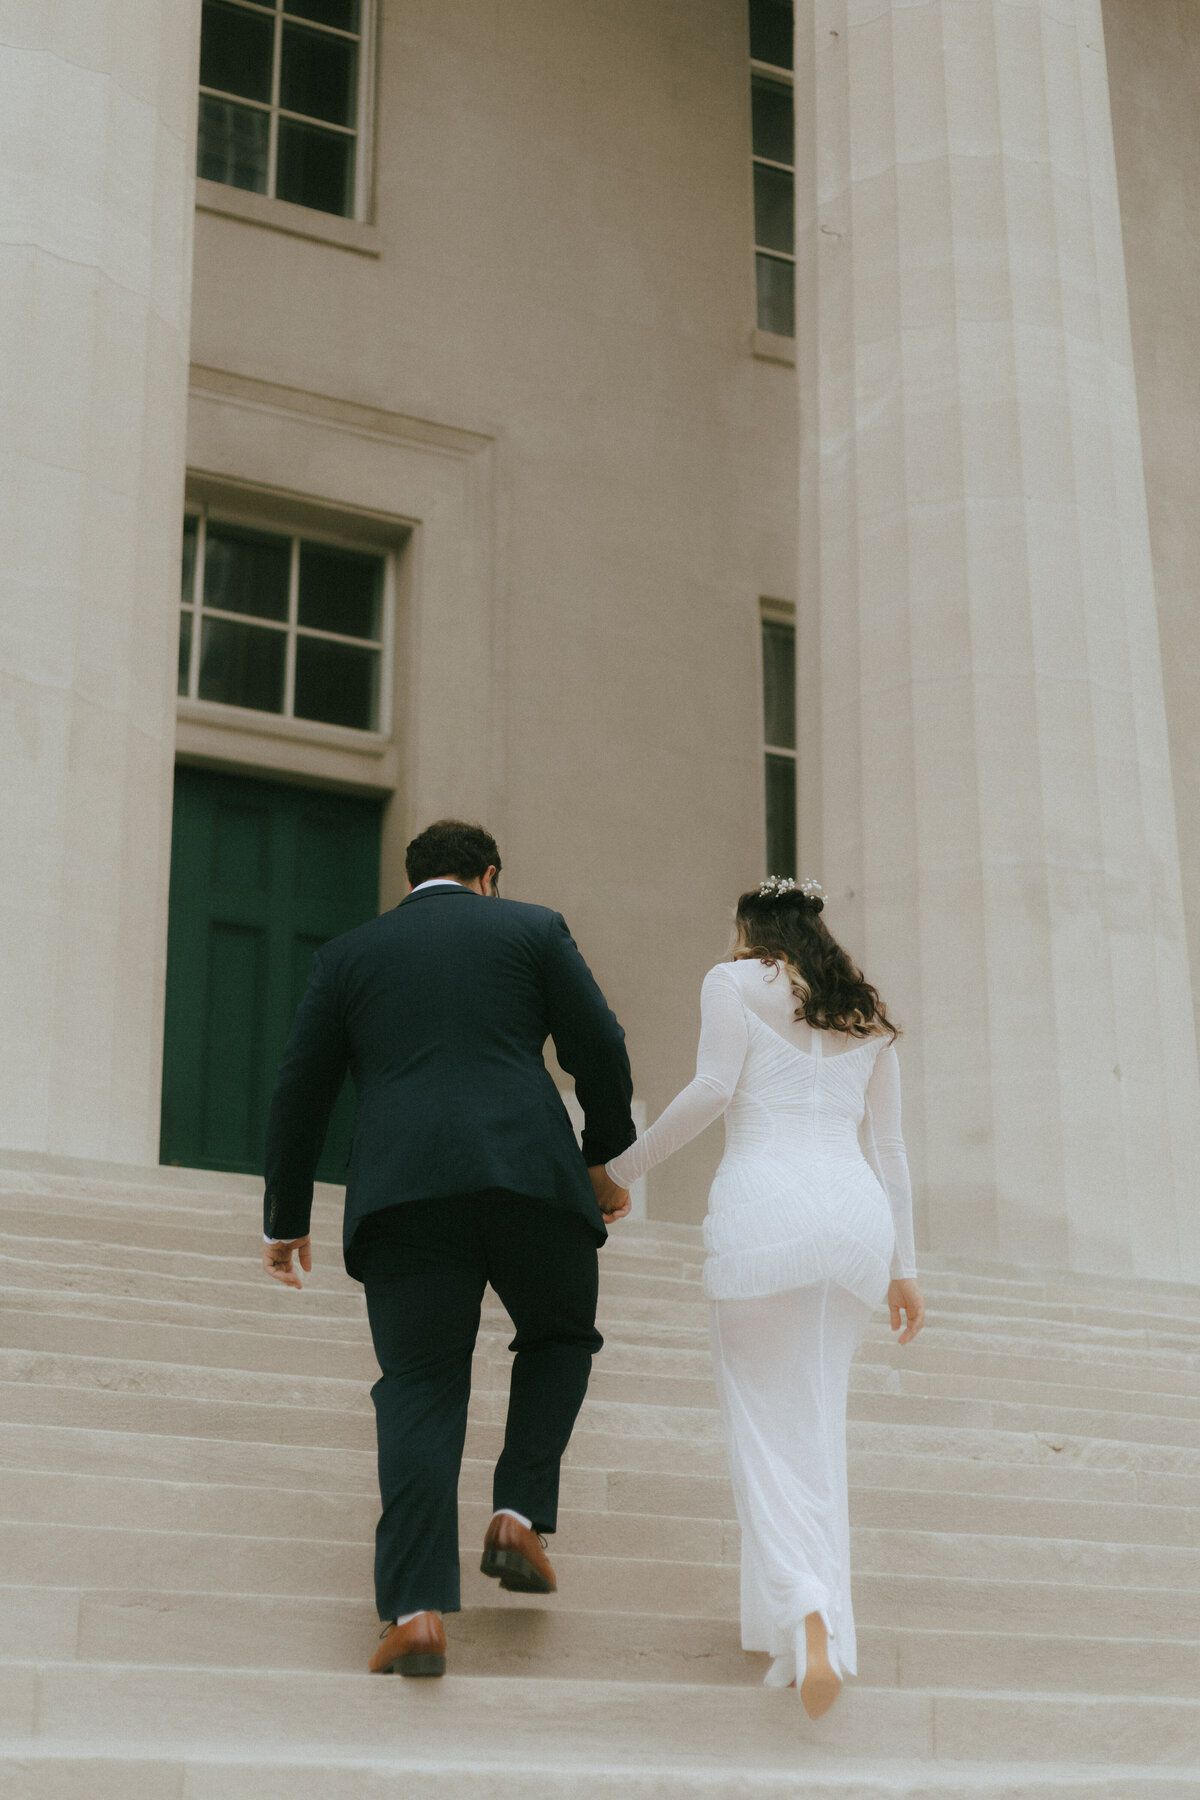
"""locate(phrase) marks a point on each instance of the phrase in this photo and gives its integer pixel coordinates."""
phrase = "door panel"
(262, 874)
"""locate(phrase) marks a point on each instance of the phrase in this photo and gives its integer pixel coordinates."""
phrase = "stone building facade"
(557, 436)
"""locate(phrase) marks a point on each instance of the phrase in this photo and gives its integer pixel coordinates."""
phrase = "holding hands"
(613, 1201)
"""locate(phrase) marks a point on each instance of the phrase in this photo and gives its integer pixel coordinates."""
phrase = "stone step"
(623, 1371)
(948, 1589)
(37, 1771)
(187, 1498)
(634, 1280)
(252, 1338)
(296, 1318)
(905, 1553)
(110, 1556)
(640, 1475)
(84, 1499)
(238, 1240)
(575, 1725)
(38, 1497)
(635, 1298)
(236, 1199)
(619, 1374)
(251, 1395)
(557, 1640)
(312, 1317)
(280, 1468)
(598, 1443)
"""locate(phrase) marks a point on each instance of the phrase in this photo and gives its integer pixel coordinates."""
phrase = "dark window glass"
(336, 683)
(342, 13)
(316, 168)
(185, 650)
(774, 209)
(771, 107)
(246, 572)
(317, 75)
(188, 572)
(236, 48)
(776, 295)
(340, 590)
(233, 145)
(779, 684)
(242, 665)
(771, 32)
(781, 816)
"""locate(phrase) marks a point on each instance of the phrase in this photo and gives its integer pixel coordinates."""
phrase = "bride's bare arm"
(719, 1058)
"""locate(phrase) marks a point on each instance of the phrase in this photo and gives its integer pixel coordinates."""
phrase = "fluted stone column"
(96, 145)
(984, 747)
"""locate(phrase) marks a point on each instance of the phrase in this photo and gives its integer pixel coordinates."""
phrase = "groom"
(463, 1171)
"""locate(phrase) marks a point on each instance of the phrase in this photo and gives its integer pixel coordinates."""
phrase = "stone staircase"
(187, 1502)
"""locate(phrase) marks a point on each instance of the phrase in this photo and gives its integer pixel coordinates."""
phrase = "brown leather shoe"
(515, 1558)
(418, 1648)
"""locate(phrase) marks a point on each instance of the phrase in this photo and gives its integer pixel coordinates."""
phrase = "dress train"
(782, 1364)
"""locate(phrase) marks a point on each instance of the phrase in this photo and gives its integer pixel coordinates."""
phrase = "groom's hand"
(613, 1201)
(277, 1260)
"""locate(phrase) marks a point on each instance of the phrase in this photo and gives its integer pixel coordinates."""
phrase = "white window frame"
(383, 645)
(783, 78)
(363, 114)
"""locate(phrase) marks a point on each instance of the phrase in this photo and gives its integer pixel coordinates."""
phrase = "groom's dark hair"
(451, 847)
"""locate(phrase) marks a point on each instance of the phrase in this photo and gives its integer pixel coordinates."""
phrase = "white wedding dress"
(810, 1215)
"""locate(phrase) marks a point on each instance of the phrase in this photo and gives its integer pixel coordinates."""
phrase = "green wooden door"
(262, 874)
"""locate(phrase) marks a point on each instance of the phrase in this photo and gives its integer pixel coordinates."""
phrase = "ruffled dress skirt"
(798, 1259)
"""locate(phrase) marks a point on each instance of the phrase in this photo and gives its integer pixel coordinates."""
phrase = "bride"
(805, 1236)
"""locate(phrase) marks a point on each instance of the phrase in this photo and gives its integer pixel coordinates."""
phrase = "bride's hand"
(905, 1297)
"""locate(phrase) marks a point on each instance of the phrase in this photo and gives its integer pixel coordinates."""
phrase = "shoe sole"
(422, 1662)
(515, 1573)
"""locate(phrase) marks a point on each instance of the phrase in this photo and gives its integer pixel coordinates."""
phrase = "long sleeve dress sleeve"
(719, 1058)
(884, 1148)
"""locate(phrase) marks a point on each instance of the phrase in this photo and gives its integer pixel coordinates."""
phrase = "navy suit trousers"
(424, 1266)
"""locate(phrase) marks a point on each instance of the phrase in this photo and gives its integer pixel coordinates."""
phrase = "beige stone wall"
(97, 112)
(557, 264)
(1154, 74)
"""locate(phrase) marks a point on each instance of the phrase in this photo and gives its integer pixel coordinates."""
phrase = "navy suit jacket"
(440, 1009)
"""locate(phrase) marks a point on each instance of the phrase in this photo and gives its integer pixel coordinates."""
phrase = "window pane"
(242, 665)
(233, 145)
(185, 651)
(771, 32)
(779, 684)
(336, 683)
(316, 168)
(235, 50)
(774, 215)
(776, 295)
(188, 571)
(246, 571)
(781, 816)
(342, 13)
(318, 75)
(340, 590)
(771, 108)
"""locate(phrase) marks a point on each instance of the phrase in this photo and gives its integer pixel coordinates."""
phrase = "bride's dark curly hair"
(832, 994)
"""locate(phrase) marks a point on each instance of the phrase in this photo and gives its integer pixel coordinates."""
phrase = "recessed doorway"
(262, 874)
